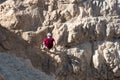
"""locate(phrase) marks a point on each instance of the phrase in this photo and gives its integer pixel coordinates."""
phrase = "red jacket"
(49, 42)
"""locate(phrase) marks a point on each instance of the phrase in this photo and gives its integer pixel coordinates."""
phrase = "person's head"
(49, 35)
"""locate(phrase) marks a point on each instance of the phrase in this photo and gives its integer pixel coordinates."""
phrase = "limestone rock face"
(19, 14)
(86, 32)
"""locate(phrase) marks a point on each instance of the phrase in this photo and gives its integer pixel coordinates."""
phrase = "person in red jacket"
(49, 42)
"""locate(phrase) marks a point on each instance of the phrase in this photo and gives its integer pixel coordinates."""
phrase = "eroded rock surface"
(87, 33)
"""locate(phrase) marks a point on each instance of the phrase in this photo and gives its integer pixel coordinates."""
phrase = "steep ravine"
(87, 33)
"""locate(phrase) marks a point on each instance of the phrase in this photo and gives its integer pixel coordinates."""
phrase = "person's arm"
(43, 43)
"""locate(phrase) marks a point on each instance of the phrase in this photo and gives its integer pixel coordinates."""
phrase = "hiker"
(49, 42)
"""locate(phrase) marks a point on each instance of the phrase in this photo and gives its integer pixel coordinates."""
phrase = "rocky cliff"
(87, 33)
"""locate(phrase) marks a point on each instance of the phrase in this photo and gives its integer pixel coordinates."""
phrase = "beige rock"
(80, 57)
(9, 22)
(117, 30)
(54, 16)
(100, 28)
(110, 55)
(86, 32)
(60, 34)
(109, 45)
(73, 9)
(28, 36)
(73, 1)
(110, 30)
(65, 16)
(97, 60)
(57, 58)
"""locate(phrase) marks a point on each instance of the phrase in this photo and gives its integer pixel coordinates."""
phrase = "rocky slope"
(87, 33)
(12, 68)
